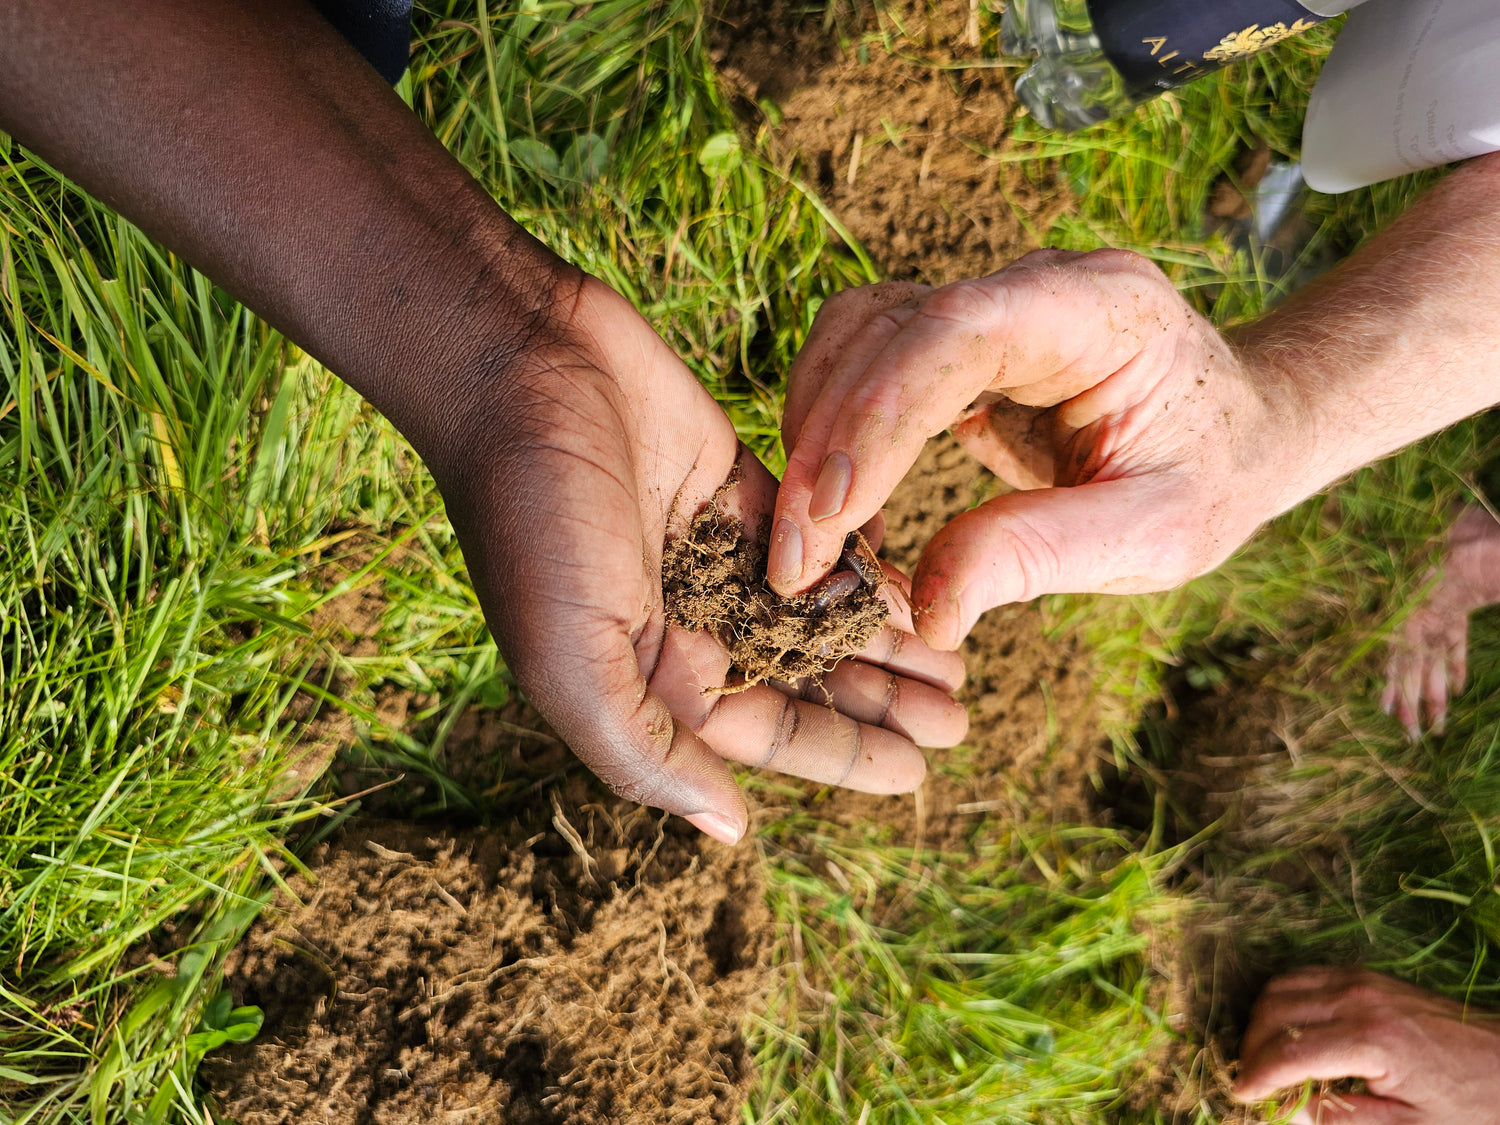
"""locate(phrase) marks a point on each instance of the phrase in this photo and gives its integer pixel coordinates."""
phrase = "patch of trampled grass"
(1009, 985)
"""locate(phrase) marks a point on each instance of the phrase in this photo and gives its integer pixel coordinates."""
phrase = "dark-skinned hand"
(603, 445)
(566, 437)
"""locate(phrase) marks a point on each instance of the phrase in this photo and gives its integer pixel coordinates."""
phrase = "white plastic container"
(1410, 84)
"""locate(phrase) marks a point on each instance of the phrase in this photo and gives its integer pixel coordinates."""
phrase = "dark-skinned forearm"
(250, 138)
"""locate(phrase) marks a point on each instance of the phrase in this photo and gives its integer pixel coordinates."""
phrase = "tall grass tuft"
(160, 483)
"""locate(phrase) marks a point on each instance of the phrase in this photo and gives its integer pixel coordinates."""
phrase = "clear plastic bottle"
(1096, 59)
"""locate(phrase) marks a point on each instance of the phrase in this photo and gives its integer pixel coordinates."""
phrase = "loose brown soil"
(714, 578)
(591, 962)
(908, 147)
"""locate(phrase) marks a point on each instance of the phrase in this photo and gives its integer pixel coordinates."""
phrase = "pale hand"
(1429, 662)
(1144, 450)
(1424, 1059)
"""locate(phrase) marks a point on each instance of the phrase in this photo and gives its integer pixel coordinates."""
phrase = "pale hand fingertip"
(953, 673)
(935, 615)
(902, 766)
(1248, 1093)
(909, 774)
(948, 731)
(717, 825)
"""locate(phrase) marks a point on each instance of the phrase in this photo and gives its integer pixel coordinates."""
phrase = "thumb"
(1118, 536)
(626, 734)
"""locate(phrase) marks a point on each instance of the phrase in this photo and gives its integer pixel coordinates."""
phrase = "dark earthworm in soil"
(863, 564)
(833, 589)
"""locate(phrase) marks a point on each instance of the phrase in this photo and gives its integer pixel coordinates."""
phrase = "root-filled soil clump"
(714, 578)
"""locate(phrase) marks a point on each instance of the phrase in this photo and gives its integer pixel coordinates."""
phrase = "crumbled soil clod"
(714, 578)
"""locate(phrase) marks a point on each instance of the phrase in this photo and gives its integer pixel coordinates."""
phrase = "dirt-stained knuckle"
(1024, 565)
(855, 737)
(873, 407)
(642, 770)
(1369, 996)
(867, 314)
(890, 699)
(972, 307)
(783, 732)
(859, 301)
(1113, 260)
(641, 787)
(893, 640)
(1045, 257)
(813, 689)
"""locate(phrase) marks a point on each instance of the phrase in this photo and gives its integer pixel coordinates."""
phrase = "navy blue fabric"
(379, 29)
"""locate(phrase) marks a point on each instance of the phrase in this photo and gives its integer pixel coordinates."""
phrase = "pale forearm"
(1399, 341)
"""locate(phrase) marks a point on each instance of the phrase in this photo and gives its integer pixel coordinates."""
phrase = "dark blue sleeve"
(379, 29)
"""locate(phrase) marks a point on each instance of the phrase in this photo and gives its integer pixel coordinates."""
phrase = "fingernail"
(717, 825)
(832, 488)
(784, 565)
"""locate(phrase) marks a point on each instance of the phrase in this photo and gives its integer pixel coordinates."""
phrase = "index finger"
(842, 324)
(1043, 330)
(1295, 1054)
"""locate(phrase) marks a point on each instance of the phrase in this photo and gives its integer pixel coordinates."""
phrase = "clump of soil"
(591, 963)
(714, 578)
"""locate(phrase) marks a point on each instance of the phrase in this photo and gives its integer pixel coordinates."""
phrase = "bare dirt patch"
(591, 962)
(907, 147)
